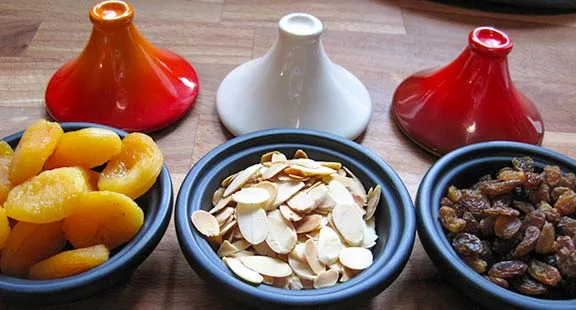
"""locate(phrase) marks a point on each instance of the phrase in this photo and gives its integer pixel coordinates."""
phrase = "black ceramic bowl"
(462, 168)
(395, 218)
(157, 207)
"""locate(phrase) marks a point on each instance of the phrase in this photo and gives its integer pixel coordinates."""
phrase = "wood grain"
(380, 41)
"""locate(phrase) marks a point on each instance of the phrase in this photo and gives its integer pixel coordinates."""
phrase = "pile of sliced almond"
(292, 223)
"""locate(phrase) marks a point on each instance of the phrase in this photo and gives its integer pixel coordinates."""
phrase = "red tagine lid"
(120, 79)
(472, 99)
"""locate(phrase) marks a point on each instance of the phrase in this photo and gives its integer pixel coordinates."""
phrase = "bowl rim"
(187, 236)
(129, 257)
(434, 240)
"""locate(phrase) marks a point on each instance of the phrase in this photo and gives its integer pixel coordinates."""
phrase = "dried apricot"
(134, 170)
(6, 155)
(36, 145)
(4, 228)
(28, 244)
(68, 263)
(102, 217)
(88, 147)
(42, 199)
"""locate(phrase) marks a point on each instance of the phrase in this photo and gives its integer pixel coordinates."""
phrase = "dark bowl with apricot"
(498, 220)
(37, 269)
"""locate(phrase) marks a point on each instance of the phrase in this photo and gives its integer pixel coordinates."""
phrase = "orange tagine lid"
(120, 79)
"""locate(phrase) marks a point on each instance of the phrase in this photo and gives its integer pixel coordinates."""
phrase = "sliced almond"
(326, 204)
(373, 200)
(283, 178)
(241, 254)
(370, 235)
(326, 278)
(301, 202)
(354, 186)
(330, 164)
(205, 223)
(275, 214)
(223, 216)
(217, 196)
(241, 179)
(273, 170)
(252, 196)
(301, 269)
(278, 158)
(222, 203)
(329, 246)
(309, 171)
(228, 180)
(228, 227)
(267, 266)
(317, 193)
(268, 280)
(252, 222)
(296, 177)
(294, 283)
(226, 249)
(286, 190)
(242, 271)
(349, 223)
(356, 258)
(336, 266)
(272, 190)
(304, 162)
(313, 234)
(281, 237)
(263, 249)
(348, 274)
(289, 214)
(300, 154)
(312, 182)
(311, 254)
(340, 193)
(299, 252)
(308, 223)
(267, 157)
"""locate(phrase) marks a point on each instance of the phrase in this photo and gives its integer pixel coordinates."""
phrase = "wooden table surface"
(381, 42)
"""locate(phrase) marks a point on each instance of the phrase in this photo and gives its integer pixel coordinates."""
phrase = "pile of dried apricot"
(58, 215)
(292, 223)
(519, 229)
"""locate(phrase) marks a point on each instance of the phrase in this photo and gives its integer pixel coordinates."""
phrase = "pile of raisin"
(518, 229)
